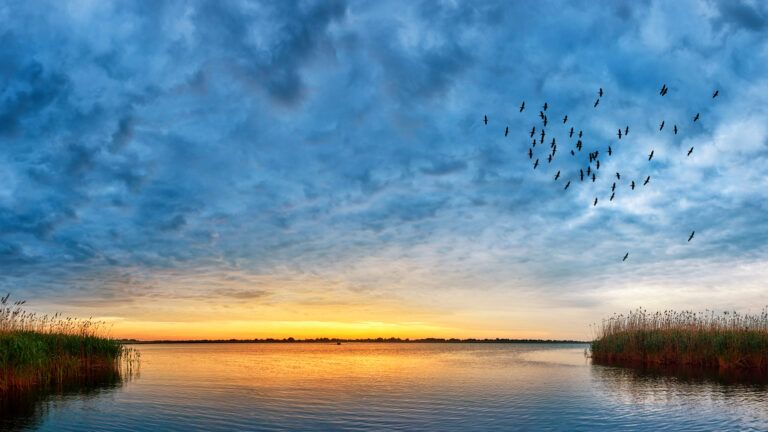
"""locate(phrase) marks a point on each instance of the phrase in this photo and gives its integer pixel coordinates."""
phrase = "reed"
(726, 340)
(41, 350)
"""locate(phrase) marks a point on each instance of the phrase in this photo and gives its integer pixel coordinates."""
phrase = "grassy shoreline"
(41, 350)
(726, 341)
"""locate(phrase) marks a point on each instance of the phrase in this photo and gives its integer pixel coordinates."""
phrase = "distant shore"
(371, 340)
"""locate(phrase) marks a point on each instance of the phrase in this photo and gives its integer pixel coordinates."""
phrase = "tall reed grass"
(40, 350)
(724, 340)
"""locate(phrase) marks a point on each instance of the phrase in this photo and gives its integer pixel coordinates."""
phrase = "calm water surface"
(447, 387)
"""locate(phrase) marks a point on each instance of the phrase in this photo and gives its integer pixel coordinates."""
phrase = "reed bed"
(41, 350)
(723, 340)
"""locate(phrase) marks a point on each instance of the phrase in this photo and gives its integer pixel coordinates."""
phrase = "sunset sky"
(271, 169)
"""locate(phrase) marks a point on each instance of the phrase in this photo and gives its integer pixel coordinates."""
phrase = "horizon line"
(353, 340)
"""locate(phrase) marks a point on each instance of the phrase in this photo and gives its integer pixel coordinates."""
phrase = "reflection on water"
(396, 387)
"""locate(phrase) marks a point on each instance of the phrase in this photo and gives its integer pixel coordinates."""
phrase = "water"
(446, 387)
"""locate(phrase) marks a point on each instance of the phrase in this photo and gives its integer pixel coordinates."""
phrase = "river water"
(388, 386)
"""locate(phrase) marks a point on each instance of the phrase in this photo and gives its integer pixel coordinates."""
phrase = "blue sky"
(327, 161)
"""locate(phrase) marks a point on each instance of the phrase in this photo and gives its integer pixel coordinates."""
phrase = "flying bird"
(609, 150)
(633, 185)
(506, 131)
(690, 151)
(533, 131)
(534, 142)
(618, 176)
(572, 153)
(553, 143)
(571, 134)
(714, 95)
(625, 257)
(589, 171)
(485, 119)
(549, 159)
(541, 114)
(530, 153)
(581, 174)
(647, 179)
(567, 184)
(545, 121)
(595, 202)
(600, 92)
(557, 176)
(619, 134)
(696, 118)
(613, 187)
(597, 102)
(626, 131)
(542, 135)
(662, 125)
(650, 156)
(598, 165)
(675, 129)
(578, 145)
(593, 177)
(580, 132)
(691, 237)
(663, 90)
(545, 106)
(565, 119)
(535, 164)
(522, 106)
(612, 195)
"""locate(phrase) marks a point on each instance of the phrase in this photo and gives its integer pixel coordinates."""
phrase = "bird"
(619, 134)
(553, 143)
(675, 129)
(626, 131)
(600, 92)
(535, 164)
(565, 119)
(541, 114)
(545, 121)
(597, 102)
(578, 145)
(549, 159)
(696, 118)
(534, 142)
(581, 174)
(598, 165)
(714, 95)
(625, 257)
(485, 119)
(589, 171)
(663, 90)
(595, 202)
(530, 153)
(554, 150)
(618, 176)
(506, 131)
(571, 134)
(522, 106)
(572, 153)
(593, 177)
(613, 187)
(533, 131)
(662, 125)
(545, 106)
(691, 237)
(650, 156)
(612, 195)
(690, 151)
(647, 179)
(609, 151)
(633, 185)
(542, 135)
(580, 132)
(557, 176)
(567, 184)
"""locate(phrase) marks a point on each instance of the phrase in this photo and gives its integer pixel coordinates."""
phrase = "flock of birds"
(593, 166)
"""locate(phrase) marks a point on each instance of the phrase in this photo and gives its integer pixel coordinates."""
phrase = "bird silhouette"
(612, 195)
(589, 171)
(545, 121)
(549, 159)
(557, 176)
(600, 92)
(618, 176)
(609, 151)
(530, 153)
(485, 119)
(533, 131)
(613, 187)
(535, 164)
(691, 237)
(506, 131)
(663, 90)
(541, 114)
(545, 106)
(597, 166)
(572, 153)
(650, 156)
(580, 132)
(571, 134)
(581, 174)
(554, 150)
(647, 179)
(565, 119)
(595, 202)
(553, 143)
(690, 151)
(625, 257)
(675, 129)
(597, 102)
(534, 142)
(593, 177)
(632, 185)
(662, 125)
(578, 145)
(696, 118)
(567, 184)
(626, 131)
(543, 132)
(522, 106)
(619, 134)
(714, 95)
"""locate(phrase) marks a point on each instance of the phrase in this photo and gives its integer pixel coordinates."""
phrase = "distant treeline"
(368, 340)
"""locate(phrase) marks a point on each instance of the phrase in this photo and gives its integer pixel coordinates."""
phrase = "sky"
(193, 169)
